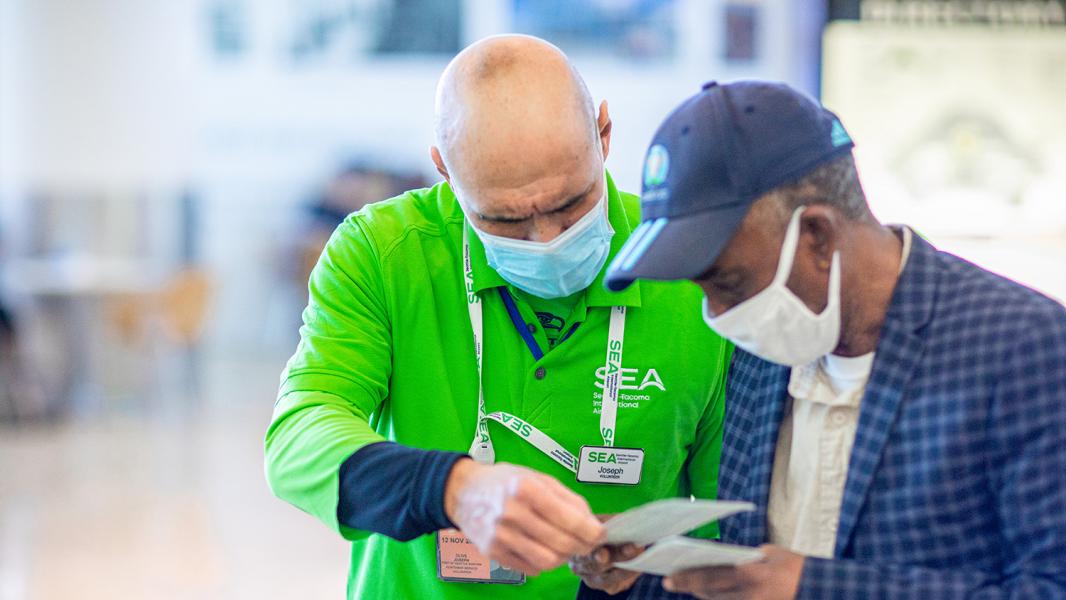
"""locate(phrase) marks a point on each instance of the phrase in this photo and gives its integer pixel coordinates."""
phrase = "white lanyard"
(481, 449)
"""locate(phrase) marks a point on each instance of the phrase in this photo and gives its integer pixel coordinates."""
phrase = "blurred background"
(169, 172)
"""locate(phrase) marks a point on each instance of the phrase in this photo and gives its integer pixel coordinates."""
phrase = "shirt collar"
(804, 381)
(597, 293)
(905, 236)
(485, 277)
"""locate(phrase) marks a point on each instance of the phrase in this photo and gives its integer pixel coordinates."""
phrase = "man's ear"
(434, 153)
(603, 125)
(819, 233)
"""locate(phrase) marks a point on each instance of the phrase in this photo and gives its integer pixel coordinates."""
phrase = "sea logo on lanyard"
(481, 449)
(517, 425)
(608, 436)
(611, 383)
(468, 277)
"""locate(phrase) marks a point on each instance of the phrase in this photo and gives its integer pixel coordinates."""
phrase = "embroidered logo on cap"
(656, 166)
(839, 137)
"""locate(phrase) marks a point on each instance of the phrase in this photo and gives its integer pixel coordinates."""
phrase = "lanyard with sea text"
(482, 450)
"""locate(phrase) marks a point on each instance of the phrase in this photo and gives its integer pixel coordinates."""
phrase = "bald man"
(467, 400)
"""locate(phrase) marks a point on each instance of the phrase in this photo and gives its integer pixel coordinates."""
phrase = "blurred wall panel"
(960, 132)
(104, 92)
(224, 97)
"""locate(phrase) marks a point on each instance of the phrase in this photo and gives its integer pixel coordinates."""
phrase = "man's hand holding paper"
(615, 566)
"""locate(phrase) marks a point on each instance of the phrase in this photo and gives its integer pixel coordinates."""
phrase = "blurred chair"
(104, 290)
(169, 319)
(183, 306)
(8, 371)
(22, 396)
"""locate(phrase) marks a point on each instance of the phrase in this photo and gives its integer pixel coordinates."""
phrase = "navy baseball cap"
(709, 161)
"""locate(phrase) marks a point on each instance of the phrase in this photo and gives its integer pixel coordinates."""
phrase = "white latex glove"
(520, 518)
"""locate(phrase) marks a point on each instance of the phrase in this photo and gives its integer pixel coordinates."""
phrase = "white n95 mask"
(565, 265)
(775, 324)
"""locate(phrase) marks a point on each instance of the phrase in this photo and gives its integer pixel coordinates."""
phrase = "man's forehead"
(494, 175)
(519, 149)
(535, 196)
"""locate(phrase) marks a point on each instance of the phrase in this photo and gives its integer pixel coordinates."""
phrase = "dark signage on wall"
(1032, 13)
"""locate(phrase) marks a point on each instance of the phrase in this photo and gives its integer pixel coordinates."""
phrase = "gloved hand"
(522, 519)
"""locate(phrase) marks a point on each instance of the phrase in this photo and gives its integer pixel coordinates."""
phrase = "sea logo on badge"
(656, 166)
(603, 457)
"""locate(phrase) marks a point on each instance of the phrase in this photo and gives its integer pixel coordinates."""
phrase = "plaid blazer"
(957, 481)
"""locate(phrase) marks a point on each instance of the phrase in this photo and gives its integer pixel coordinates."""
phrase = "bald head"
(514, 88)
(516, 131)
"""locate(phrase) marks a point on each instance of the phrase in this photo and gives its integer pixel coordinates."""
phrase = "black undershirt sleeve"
(395, 490)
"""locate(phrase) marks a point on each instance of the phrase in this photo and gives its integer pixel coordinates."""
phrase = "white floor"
(149, 506)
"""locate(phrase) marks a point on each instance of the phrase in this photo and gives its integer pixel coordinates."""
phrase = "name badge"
(459, 560)
(606, 464)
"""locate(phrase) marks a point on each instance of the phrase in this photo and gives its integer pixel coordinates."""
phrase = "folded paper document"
(680, 553)
(664, 518)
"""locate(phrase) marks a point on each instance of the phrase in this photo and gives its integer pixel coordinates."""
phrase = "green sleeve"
(337, 378)
(702, 467)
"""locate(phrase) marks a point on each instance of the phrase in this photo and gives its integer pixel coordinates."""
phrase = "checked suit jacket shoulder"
(957, 481)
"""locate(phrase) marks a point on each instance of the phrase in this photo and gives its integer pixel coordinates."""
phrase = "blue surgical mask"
(565, 265)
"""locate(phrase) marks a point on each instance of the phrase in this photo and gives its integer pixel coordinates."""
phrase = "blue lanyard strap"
(523, 329)
(520, 324)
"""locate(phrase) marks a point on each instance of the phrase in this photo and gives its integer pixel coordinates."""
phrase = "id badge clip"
(610, 465)
(459, 560)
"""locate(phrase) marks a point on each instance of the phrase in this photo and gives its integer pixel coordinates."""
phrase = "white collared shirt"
(814, 448)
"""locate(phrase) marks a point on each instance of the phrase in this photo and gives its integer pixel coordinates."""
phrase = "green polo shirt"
(386, 353)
